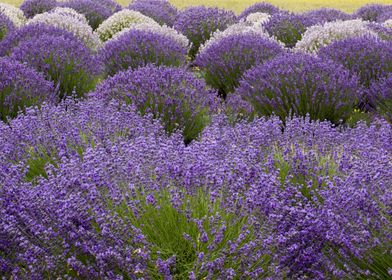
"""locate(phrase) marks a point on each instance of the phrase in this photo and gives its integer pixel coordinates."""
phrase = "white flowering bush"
(14, 14)
(121, 20)
(65, 11)
(158, 29)
(240, 28)
(257, 18)
(81, 30)
(321, 35)
(388, 23)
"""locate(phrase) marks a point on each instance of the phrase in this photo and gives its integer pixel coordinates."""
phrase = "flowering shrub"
(83, 31)
(383, 17)
(367, 57)
(257, 19)
(199, 23)
(388, 23)
(6, 26)
(224, 61)
(94, 12)
(382, 31)
(14, 14)
(20, 87)
(321, 35)
(173, 95)
(69, 12)
(34, 7)
(66, 62)
(288, 28)
(29, 32)
(324, 15)
(248, 200)
(160, 10)
(298, 84)
(262, 7)
(119, 21)
(139, 47)
(380, 96)
(371, 12)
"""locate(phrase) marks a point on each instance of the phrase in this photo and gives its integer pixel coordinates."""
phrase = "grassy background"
(239, 5)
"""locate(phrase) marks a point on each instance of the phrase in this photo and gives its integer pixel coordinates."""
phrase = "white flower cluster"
(121, 20)
(388, 23)
(257, 18)
(65, 11)
(15, 15)
(81, 30)
(156, 28)
(318, 36)
(236, 29)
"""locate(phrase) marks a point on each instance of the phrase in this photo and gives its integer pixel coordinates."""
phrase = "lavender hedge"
(162, 11)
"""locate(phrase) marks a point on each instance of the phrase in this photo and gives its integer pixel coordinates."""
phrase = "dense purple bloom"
(326, 15)
(171, 94)
(262, 7)
(298, 84)
(384, 16)
(28, 32)
(227, 59)
(198, 24)
(288, 27)
(368, 57)
(380, 96)
(383, 32)
(6, 26)
(93, 10)
(371, 12)
(138, 47)
(33, 7)
(21, 87)
(162, 11)
(67, 62)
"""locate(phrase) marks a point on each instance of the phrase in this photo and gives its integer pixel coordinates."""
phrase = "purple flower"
(368, 57)
(224, 61)
(198, 24)
(138, 47)
(297, 84)
(94, 11)
(6, 26)
(262, 7)
(21, 87)
(371, 12)
(173, 95)
(33, 7)
(384, 16)
(162, 11)
(380, 96)
(287, 27)
(65, 61)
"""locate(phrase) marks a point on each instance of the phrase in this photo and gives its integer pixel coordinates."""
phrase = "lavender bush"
(224, 61)
(139, 47)
(67, 62)
(13, 13)
(6, 26)
(324, 15)
(94, 11)
(371, 12)
(173, 95)
(296, 84)
(262, 7)
(34, 7)
(287, 27)
(199, 23)
(380, 95)
(160, 10)
(29, 32)
(367, 57)
(21, 87)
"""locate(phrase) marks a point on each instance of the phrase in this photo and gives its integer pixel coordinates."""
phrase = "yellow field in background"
(239, 5)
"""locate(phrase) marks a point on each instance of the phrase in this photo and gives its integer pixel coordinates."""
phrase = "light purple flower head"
(326, 15)
(371, 12)
(262, 7)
